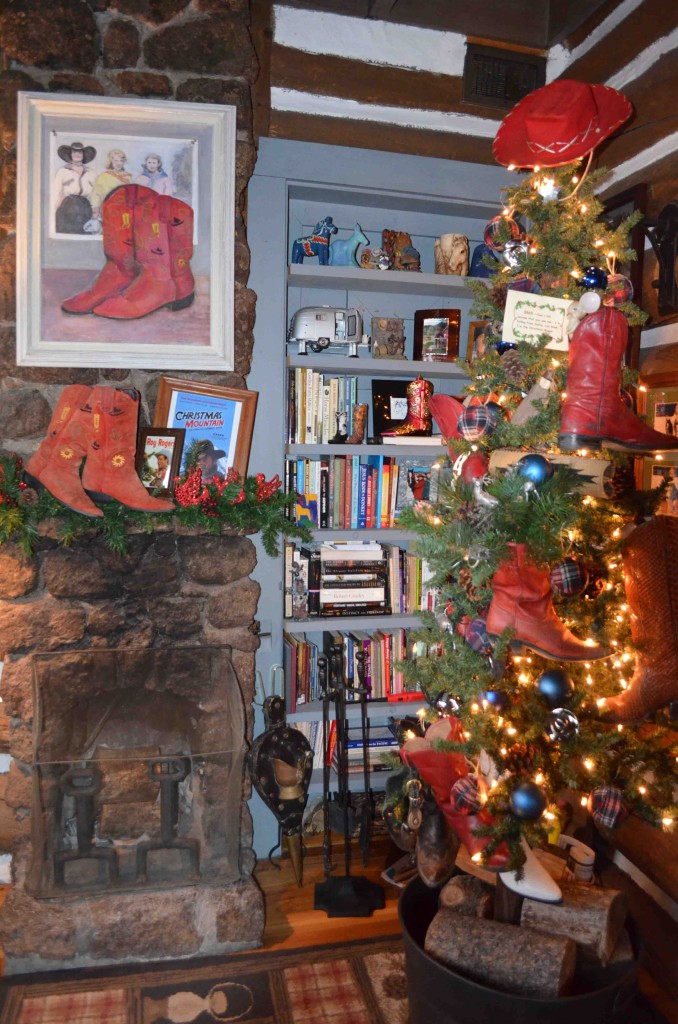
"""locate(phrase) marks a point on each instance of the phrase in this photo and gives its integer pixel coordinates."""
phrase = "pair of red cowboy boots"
(148, 244)
(98, 425)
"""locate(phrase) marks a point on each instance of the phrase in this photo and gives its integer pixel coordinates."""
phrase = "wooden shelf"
(362, 366)
(409, 451)
(366, 622)
(310, 275)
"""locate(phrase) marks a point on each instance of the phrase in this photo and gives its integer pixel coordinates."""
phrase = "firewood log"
(502, 956)
(467, 895)
(592, 916)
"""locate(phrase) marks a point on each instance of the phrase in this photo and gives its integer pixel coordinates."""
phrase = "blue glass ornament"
(496, 408)
(496, 698)
(528, 801)
(563, 725)
(535, 468)
(594, 277)
(504, 346)
(555, 686)
(478, 268)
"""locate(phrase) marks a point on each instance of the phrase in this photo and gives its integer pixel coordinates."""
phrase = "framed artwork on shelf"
(475, 341)
(665, 471)
(159, 458)
(658, 406)
(617, 208)
(436, 335)
(217, 423)
(389, 404)
(125, 232)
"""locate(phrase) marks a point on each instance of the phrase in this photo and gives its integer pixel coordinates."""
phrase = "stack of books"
(352, 579)
(315, 402)
(380, 741)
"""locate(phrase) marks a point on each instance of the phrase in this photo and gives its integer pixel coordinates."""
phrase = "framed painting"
(125, 233)
(159, 458)
(217, 423)
(436, 335)
(658, 406)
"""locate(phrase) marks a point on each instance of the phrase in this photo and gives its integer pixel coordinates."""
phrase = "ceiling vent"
(499, 78)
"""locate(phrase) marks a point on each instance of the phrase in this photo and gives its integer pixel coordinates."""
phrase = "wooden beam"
(369, 83)
(648, 23)
(369, 135)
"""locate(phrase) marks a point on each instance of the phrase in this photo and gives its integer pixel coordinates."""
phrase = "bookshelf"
(295, 185)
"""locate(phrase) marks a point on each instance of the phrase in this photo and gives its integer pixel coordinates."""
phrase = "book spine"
(313, 582)
(325, 421)
(298, 402)
(324, 496)
(350, 595)
(363, 472)
(291, 409)
(359, 608)
(355, 487)
(308, 419)
(347, 492)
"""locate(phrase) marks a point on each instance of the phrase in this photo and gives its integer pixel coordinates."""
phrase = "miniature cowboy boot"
(418, 422)
(359, 424)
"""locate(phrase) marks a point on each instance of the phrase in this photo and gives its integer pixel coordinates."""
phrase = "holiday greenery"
(249, 505)
(529, 733)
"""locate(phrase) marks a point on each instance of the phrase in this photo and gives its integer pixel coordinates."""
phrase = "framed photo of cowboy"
(125, 233)
(159, 458)
(217, 424)
(475, 342)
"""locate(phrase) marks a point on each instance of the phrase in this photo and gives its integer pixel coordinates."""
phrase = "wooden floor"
(291, 921)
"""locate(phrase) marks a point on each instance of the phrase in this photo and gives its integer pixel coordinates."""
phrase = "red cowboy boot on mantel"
(110, 467)
(594, 414)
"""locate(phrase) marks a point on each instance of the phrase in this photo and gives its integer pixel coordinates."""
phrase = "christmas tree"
(532, 675)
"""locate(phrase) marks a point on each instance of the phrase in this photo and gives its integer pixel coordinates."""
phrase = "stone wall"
(189, 50)
(168, 589)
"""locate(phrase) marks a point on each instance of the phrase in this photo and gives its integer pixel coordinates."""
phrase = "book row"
(337, 580)
(356, 492)
(318, 405)
(380, 741)
(384, 650)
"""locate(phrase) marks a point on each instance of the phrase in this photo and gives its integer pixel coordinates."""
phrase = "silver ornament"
(514, 254)
(563, 725)
(481, 496)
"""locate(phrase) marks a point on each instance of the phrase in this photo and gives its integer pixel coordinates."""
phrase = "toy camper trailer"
(318, 327)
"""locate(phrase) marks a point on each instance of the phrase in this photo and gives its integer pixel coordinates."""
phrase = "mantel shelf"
(312, 275)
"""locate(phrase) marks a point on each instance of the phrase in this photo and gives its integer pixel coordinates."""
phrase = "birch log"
(592, 916)
(501, 955)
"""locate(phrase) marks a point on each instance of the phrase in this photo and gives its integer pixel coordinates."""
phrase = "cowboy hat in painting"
(559, 123)
(66, 152)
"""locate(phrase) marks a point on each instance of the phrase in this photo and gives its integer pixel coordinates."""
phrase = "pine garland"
(249, 505)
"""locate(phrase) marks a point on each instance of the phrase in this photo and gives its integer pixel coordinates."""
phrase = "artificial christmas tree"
(492, 537)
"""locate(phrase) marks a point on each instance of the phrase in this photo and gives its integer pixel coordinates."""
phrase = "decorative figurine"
(450, 253)
(398, 247)
(343, 250)
(418, 422)
(478, 268)
(317, 244)
(388, 337)
(374, 259)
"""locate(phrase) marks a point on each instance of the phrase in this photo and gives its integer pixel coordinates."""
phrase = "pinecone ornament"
(520, 758)
(513, 366)
(465, 581)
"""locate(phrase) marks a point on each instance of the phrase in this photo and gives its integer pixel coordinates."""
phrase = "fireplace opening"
(137, 770)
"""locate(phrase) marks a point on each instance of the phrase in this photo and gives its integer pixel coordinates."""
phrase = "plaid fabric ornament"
(477, 421)
(476, 636)
(607, 806)
(568, 577)
(464, 796)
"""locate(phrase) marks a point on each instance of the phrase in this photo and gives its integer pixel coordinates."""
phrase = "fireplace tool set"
(345, 895)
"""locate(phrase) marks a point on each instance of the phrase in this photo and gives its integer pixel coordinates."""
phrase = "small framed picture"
(664, 471)
(659, 407)
(436, 335)
(389, 404)
(159, 458)
(475, 343)
(217, 422)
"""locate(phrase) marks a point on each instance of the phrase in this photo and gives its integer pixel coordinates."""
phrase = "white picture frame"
(528, 317)
(195, 143)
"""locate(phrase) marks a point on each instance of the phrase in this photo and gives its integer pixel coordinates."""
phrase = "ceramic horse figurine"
(343, 250)
(317, 244)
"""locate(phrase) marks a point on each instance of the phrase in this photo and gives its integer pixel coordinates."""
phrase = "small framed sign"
(389, 404)
(436, 335)
(528, 317)
(159, 458)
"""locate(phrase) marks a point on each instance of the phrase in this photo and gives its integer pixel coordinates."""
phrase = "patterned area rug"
(363, 983)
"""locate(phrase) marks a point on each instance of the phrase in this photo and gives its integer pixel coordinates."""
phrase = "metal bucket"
(437, 993)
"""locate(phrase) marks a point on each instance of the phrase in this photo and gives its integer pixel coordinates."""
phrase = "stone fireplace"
(128, 683)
